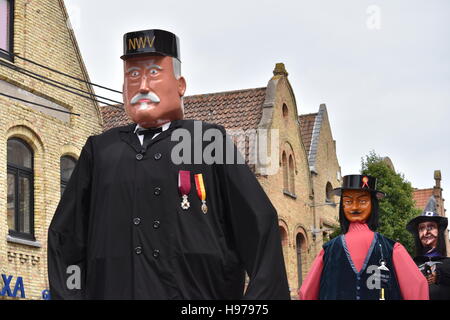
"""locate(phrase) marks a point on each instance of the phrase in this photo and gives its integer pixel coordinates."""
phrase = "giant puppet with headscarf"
(428, 230)
(362, 264)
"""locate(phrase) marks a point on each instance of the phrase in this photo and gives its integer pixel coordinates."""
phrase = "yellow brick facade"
(325, 170)
(295, 209)
(41, 34)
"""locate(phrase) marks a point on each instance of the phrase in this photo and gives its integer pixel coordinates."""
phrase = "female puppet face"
(357, 205)
(428, 233)
(152, 94)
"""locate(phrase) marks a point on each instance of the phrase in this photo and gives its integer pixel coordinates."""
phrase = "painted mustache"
(153, 97)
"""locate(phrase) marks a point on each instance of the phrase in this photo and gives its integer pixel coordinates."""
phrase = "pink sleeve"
(311, 285)
(413, 284)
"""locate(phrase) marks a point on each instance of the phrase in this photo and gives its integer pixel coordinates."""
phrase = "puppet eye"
(153, 71)
(135, 73)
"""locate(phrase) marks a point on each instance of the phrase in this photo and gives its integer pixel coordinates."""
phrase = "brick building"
(421, 197)
(325, 170)
(39, 146)
(287, 176)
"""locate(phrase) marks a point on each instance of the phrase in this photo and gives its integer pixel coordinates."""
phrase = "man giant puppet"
(362, 264)
(137, 225)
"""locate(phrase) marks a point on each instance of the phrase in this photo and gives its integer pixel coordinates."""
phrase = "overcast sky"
(381, 67)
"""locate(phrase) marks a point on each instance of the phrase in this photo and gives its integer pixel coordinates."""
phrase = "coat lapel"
(128, 136)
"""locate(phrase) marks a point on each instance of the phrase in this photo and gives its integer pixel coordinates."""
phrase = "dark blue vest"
(341, 281)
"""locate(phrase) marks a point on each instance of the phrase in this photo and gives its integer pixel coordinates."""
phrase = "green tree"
(398, 207)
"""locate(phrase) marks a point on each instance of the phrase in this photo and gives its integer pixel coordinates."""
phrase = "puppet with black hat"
(362, 264)
(428, 230)
(140, 225)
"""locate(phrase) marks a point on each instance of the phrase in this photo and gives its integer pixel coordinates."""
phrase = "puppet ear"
(181, 86)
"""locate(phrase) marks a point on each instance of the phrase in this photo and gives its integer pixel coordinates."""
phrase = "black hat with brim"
(359, 182)
(412, 225)
(150, 42)
(428, 214)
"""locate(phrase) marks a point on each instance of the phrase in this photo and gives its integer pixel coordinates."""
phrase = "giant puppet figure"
(136, 223)
(362, 264)
(428, 230)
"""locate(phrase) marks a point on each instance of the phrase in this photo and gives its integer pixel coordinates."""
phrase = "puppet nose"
(144, 87)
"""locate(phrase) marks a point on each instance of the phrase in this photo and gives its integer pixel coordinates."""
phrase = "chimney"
(280, 70)
(437, 178)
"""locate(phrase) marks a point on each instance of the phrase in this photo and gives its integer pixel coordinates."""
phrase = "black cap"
(359, 182)
(150, 42)
(428, 214)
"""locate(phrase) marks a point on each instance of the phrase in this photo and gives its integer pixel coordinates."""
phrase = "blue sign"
(6, 290)
(46, 295)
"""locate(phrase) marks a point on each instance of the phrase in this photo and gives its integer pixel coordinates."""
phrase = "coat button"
(139, 156)
(156, 224)
(158, 156)
(157, 191)
(137, 221)
(156, 254)
(138, 250)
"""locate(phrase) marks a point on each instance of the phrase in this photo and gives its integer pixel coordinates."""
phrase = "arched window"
(284, 236)
(300, 244)
(20, 189)
(285, 172)
(67, 165)
(285, 112)
(291, 175)
(328, 196)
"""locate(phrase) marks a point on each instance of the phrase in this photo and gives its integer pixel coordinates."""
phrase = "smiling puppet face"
(428, 234)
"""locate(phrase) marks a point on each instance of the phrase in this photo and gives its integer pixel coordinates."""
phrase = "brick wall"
(41, 34)
(326, 170)
(296, 214)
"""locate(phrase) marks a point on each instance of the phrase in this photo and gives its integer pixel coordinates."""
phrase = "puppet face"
(151, 93)
(357, 205)
(428, 233)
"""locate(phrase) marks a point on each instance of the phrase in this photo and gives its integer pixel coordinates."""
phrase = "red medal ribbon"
(365, 181)
(184, 182)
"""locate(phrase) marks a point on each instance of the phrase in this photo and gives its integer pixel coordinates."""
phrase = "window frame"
(4, 55)
(64, 182)
(19, 171)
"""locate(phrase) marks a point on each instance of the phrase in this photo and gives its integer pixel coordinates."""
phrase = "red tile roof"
(421, 197)
(240, 109)
(113, 117)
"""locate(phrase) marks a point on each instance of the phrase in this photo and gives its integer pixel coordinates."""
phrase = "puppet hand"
(431, 278)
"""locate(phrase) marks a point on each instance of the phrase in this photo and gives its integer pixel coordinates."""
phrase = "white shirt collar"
(164, 127)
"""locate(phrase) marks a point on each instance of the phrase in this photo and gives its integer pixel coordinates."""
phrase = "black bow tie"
(148, 132)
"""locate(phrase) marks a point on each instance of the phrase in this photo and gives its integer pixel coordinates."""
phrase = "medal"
(201, 191)
(384, 277)
(184, 186)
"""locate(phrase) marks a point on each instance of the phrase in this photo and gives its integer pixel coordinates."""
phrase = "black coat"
(121, 222)
(441, 289)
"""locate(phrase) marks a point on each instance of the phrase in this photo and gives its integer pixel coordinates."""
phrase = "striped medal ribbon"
(201, 191)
